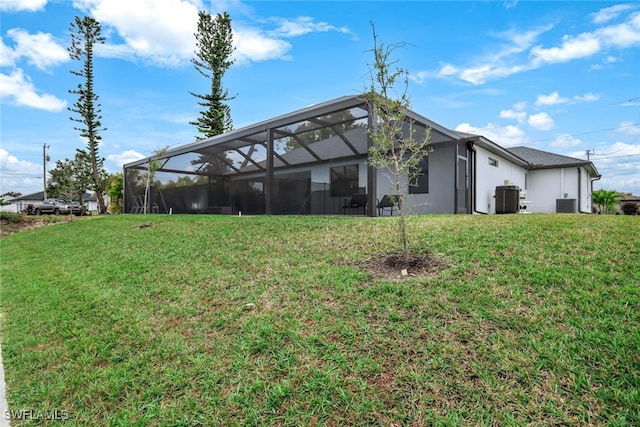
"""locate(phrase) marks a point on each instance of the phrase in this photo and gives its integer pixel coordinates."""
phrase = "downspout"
(474, 165)
(580, 190)
(597, 178)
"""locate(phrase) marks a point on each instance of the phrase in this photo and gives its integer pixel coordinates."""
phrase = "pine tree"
(214, 46)
(85, 33)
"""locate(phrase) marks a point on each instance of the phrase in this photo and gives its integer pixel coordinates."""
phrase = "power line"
(618, 157)
(590, 132)
(21, 174)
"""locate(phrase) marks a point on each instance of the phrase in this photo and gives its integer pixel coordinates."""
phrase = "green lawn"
(221, 320)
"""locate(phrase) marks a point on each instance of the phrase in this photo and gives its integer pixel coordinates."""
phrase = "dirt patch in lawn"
(15, 225)
(397, 266)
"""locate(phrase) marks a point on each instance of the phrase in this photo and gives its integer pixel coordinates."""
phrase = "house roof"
(538, 159)
(33, 196)
(248, 149)
(40, 196)
(629, 198)
(250, 142)
(258, 133)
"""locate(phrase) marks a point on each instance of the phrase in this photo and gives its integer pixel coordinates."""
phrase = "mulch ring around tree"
(397, 266)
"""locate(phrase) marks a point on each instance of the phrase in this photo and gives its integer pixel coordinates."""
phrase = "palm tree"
(605, 199)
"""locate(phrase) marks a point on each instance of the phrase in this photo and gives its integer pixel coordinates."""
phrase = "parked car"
(56, 207)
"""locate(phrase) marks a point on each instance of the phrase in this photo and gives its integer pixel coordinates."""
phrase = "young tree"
(396, 150)
(85, 33)
(155, 163)
(214, 46)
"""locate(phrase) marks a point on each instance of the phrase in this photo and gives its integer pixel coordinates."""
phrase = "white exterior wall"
(547, 185)
(18, 205)
(12, 207)
(488, 177)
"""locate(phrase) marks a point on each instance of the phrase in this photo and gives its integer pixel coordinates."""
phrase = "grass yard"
(221, 320)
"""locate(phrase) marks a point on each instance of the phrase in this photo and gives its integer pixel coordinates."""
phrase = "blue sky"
(556, 76)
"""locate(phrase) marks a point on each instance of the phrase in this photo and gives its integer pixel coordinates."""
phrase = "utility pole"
(45, 159)
(590, 153)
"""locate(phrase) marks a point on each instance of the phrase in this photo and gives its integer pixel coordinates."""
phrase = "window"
(420, 185)
(493, 162)
(344, 180)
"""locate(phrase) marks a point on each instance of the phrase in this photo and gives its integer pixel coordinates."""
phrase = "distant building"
(19, 204)
(627, 198)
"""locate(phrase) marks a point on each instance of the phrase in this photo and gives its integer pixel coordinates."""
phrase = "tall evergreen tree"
(85, 33)
(214, 46)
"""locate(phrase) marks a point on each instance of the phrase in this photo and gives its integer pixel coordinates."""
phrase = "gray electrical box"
(507, 199)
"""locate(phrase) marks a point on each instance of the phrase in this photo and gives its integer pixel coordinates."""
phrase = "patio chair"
(388, 203)
(357, 202)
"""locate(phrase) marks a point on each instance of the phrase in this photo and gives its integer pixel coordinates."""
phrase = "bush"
(114, 209)
(12, 217)
(630, 208)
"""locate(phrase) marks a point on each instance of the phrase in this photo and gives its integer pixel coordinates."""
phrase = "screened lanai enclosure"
(311, 161)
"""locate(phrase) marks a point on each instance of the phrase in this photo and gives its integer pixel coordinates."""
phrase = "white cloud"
(254, 46)
(498, 64)
(18, 89)
(7, 55)
(619, 164)
(587, 97)
(624, 35)
(508, 60)
(40, 49)
(609, 13)
(160, 31)
(580, 46)
(520, 106)
(505, 136)
(22, 5)
(629, 128)
(565, 141)
(10, 163)
(618, 149)
(540, 121)
(19, 175)
(519, 41)
(481, 74)
(120, 159)
(448, 70)
(510, 4)
(303, 25)
(519, 116)
(553, 98)
(420, 77)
